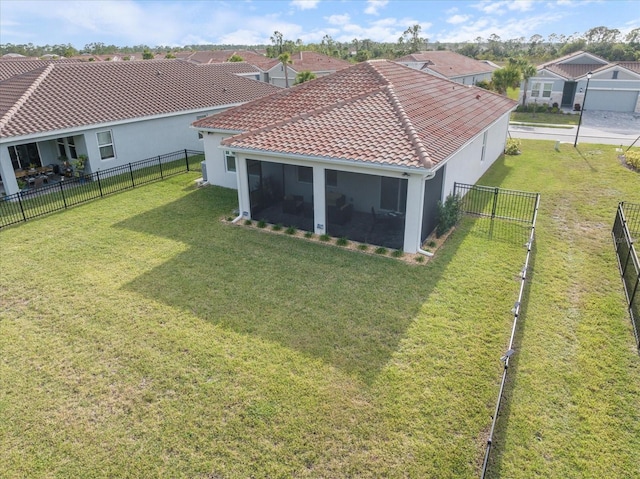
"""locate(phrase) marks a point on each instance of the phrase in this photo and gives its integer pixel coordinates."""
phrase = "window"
(484, 146)
(105, 143)
(331, 177)
(539, 88)
(23, 156)
(230, 161)
(615, 75)
(305, 174)
(200, 136)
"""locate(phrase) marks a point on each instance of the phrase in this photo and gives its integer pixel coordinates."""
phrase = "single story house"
(113, 112)
(450, 65)
(613, 86)
(271, 69)
(365, 153)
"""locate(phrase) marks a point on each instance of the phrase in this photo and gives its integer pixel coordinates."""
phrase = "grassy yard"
(548, 118)
(142, 337)
(574, 403)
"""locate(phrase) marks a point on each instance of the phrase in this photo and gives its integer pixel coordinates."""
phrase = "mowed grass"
(545, 118)
(143, 337)
(573, 403)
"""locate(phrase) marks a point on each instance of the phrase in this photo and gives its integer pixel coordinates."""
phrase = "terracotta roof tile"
(80, 94)
(448, 64)
(377, 111)
(11, 67)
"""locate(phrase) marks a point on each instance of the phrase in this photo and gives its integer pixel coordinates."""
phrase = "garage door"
(611, 100)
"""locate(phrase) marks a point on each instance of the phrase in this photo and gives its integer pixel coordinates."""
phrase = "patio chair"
(38, 182)
(379, 219)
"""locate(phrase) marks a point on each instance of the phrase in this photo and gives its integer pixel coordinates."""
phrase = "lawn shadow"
(349, 309)
(500, 436)
(586, 160)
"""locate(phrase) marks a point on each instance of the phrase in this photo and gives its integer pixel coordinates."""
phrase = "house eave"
(330, 160)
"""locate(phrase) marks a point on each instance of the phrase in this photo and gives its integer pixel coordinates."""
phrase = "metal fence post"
(160, 164)
(24, 217)
(133, 183)
(495, 202)
(186, 159)
(64, 200)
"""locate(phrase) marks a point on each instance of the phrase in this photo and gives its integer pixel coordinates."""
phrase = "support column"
(6, 170)
(319, 203)
(242, 178)
(413, 221)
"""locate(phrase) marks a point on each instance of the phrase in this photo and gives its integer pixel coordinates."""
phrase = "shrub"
(632, 159)
(448, 214)
(308, 234)
(381, 250)
(290, 230)
(342, 241)
(555, 109)
(325, 237)
(363, 247)
(248, 222)
(513, 146)
(420, 259)
(555, 105)
(431, 244)
(262, 224)
(277, 227)
(398, 253)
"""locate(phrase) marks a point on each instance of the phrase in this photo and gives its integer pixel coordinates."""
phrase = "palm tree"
(304, 76)
(285, 59)
(527, 70)
(506, 77)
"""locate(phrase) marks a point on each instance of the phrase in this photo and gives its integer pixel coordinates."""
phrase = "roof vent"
(477, 97)
(158, 73)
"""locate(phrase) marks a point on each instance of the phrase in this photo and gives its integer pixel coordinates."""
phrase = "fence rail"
(625, 229)
(504, 205)
(47, 199)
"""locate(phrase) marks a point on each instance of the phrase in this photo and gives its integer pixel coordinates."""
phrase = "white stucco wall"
(465, 166)
(217, 173)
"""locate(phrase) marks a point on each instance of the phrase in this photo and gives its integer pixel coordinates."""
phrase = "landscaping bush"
(325, 237)
(397, 253)
(290, 230)
(342, 241)
(448, 214)
(381, 250)
(248, 222)
(277, 227)
(363, 247)
(308, 234)
(632, 158)
(262, 224)
(513, 146)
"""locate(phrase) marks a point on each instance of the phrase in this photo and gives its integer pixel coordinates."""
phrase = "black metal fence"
(69, 192)
(626, 227)
(509, 205)
(497, 203)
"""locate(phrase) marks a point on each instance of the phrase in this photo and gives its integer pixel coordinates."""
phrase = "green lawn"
(548, 118)
(142, 337)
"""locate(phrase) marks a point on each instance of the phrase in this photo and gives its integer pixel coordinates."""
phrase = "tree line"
(607, 43)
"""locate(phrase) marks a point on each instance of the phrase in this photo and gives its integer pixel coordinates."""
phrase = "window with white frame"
(541, 90)
(230, 161)
(484, 146)
(105, 144)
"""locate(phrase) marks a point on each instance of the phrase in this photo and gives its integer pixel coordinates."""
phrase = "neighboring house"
(562, 82)
(450, 65)
(365, 153)
(271, 69)
(114, 112)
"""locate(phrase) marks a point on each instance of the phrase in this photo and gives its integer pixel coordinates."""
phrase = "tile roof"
(11, 66)
(317, 62)
(448, 64)
(633, 66)
(377, 111)
(571, 71)
(61, 96)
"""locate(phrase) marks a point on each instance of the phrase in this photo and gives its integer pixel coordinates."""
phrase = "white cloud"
(338, 19)
(504, 28)
(456, 19)
(374, 5)
(304, 4)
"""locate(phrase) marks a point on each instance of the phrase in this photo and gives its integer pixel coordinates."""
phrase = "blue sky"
(177, 23)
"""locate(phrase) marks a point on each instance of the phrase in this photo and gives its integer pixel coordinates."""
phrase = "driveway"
(605, 127)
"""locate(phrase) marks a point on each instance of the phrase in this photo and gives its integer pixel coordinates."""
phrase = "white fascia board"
(548, 72)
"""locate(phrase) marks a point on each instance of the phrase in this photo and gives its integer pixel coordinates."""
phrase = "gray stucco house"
(612, 86)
